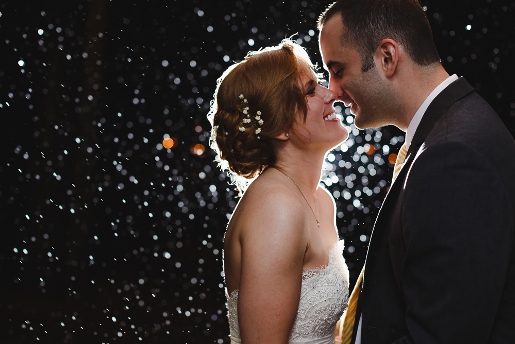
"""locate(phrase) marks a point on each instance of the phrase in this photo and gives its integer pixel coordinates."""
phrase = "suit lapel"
(452, 93)
(443, 101)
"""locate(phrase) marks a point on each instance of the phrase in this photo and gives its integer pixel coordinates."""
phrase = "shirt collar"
(415, 121)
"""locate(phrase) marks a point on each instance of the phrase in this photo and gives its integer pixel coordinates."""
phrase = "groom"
(440, 266)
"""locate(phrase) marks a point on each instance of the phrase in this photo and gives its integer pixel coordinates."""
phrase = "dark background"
(107, 237)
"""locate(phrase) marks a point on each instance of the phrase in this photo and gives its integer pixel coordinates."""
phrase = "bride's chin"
(346, 133)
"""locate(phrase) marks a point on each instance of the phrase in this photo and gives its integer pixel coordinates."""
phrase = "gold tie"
(350, 314)
(399, 161)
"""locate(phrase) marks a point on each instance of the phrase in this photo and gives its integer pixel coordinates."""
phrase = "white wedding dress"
(324, 296)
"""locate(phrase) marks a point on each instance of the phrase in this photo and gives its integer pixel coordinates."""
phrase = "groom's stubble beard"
(372, 97)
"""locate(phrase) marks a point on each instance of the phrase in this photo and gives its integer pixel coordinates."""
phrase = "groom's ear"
(387, 56)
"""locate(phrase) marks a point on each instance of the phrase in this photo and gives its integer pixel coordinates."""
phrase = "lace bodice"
(323, 298)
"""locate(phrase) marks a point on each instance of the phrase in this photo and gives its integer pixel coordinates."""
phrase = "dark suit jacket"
(440, 267)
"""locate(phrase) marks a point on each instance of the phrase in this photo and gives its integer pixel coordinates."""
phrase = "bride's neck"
(305, 175)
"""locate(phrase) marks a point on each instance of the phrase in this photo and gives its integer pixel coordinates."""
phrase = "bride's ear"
(282, 136)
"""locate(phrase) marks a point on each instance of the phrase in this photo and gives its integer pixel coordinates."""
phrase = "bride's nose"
(329, 96)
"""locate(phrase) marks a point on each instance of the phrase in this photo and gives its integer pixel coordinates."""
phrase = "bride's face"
(322, 127)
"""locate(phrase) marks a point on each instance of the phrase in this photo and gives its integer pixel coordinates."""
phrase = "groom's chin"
(363, 122)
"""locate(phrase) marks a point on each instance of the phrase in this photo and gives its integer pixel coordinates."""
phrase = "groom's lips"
(350, 104)
(353, 107)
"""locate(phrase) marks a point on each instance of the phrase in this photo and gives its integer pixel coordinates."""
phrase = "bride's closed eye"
(310, 87)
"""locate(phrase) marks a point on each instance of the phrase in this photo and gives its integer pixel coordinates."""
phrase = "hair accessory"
(253, 122)
(214, 132)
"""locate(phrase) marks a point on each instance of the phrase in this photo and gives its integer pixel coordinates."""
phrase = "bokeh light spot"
(169, 142)
(198, 149)
(391, 158)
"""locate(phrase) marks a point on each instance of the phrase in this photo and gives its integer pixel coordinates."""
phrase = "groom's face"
(358, 90)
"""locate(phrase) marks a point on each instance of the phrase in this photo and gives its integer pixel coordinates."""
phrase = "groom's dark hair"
(367, 22)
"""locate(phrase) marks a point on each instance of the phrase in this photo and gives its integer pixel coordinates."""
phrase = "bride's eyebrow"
(309, 84)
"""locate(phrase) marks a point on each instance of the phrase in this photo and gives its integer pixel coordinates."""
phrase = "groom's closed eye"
(335, 69)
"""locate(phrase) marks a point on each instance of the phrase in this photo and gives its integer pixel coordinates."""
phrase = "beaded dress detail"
(323, 298)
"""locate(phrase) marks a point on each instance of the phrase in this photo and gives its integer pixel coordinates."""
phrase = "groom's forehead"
(331, 38)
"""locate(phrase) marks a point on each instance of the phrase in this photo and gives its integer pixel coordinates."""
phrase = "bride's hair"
(255, 100)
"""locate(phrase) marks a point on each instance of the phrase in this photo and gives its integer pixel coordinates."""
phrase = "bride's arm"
(273, 245)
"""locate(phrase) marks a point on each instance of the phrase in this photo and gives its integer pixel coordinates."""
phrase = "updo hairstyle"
(268, 79)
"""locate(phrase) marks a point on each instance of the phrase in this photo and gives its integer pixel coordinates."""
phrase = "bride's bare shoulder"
(268, 187)
(269, 203)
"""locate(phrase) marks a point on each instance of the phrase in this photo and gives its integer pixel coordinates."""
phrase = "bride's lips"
(332, 117)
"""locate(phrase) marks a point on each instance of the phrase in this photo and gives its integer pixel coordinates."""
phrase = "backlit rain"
(113, 208)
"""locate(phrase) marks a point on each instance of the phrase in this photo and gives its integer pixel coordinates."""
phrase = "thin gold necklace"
(318, 223)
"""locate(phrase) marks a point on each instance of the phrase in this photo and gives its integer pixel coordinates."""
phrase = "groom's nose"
(336, 88)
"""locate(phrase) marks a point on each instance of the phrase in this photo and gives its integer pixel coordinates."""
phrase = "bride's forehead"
(305, 68)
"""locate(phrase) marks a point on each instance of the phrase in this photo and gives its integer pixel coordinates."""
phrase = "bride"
(272, 124)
